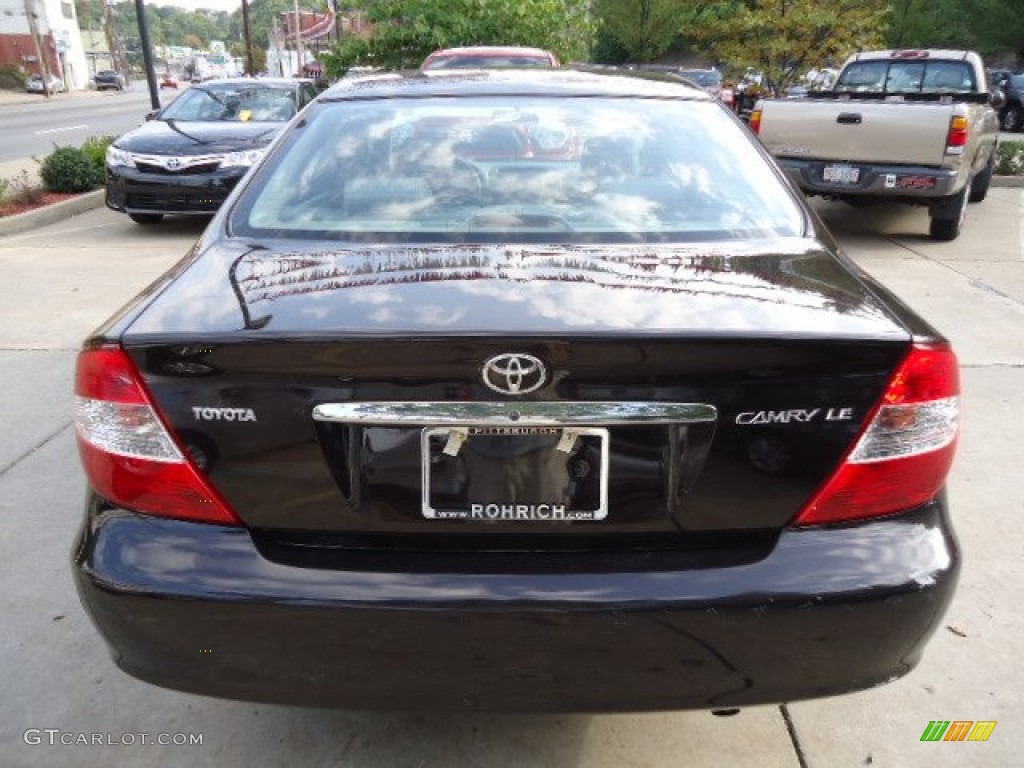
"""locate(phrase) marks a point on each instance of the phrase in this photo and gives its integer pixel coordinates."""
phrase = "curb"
(51, 214)
(1008, 181)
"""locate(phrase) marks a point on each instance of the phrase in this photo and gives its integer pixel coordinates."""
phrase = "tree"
(643, 29)
(406, 31)
(994, 28)
(264, 14)
(259, 56)
(784, 38)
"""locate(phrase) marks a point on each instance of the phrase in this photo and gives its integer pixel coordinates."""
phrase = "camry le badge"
(514, 373)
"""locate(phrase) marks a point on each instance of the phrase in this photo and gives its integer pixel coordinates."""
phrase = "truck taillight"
(958, 134)
(129, 455)
(755, 121)
(903, 455)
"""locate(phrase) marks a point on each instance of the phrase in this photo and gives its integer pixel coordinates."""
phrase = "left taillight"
(755, 121)
(130, 456)
(959, 133)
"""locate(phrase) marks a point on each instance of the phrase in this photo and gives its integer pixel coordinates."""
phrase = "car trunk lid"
(782, 344)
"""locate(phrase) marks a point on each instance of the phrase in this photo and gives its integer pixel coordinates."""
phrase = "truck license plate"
(842, 174)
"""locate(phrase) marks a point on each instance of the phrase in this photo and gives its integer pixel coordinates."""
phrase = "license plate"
(842, 174)
(515, 474)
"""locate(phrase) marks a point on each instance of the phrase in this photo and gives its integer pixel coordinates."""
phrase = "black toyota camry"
(516, 391)
(188, 156)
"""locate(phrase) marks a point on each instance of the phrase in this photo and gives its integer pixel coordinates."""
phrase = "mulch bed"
(48, 198)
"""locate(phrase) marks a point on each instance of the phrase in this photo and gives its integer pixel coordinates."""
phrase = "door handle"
(850, 118)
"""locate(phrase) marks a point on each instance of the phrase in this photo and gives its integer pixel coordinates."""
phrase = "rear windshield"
(916, 76)
(234, 103)
(496, 169)
(484, 61)
(703, 77)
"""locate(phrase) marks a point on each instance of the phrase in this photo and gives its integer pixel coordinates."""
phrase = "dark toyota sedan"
(188, 157)
(516, 391)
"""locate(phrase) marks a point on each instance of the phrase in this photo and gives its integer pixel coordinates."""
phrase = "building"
(60, 39)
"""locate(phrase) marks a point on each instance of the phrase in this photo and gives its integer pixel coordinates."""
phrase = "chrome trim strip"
(525, 414)
(184, 161)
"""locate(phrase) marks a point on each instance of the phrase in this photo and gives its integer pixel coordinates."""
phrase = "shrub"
(11, 77)
(20, 190)
(70, 169)
(96, 148)
(1010, 158)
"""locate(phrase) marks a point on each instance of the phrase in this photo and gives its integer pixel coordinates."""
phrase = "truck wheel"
(948, 216)
(146, 218)
(981, 182)
(1013, 119)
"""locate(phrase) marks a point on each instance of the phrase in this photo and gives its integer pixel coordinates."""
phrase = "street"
(63, 280)
(32, 128)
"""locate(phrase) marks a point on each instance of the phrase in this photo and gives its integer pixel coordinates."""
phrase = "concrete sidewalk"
(20, 97)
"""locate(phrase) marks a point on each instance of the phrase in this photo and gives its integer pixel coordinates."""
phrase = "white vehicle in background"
(918, 126)
(35, 84)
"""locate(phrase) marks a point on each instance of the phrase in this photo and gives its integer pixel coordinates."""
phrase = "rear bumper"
(199, 608)
(890, 181)
(133, 191)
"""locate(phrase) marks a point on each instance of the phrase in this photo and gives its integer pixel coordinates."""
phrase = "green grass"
(1010, 158)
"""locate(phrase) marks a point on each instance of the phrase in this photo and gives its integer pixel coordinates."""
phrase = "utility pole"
(298, 38)
(117, 61)
(249, 66)
(147, 53)
(33, 28)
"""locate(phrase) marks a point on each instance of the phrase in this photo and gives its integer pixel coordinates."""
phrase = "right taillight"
(129, 455)
(902, 456)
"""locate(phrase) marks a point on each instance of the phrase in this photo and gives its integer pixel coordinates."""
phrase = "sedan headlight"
(116, 157)
(242, 159)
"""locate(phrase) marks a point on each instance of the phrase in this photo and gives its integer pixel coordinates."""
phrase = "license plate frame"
(534, 514)
(841, 173)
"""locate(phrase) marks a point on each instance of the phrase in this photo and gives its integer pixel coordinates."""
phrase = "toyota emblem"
(172, 163)
(514, 373)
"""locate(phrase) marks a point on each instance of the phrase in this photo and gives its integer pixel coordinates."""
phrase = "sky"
(192, 5)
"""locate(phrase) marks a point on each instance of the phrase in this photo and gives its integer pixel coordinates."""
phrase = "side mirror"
(997, 98)
(153, 115)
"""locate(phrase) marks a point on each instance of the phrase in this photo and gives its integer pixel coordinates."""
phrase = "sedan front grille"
(191, 170)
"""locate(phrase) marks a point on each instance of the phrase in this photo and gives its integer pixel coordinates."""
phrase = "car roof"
(926, 53)
(510, 82)
(238, 81)
(491, 50)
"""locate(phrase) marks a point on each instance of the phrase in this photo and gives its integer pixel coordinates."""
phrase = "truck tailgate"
(891, 133)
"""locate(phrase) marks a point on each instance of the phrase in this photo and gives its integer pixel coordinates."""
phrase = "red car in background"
(490, 57)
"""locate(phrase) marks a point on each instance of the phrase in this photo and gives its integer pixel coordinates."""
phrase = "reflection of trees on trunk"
(787, 271)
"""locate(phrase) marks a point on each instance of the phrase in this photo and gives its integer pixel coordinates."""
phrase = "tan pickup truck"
(918, 126)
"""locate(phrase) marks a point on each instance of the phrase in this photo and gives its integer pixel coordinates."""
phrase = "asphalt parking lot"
(61, 281)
